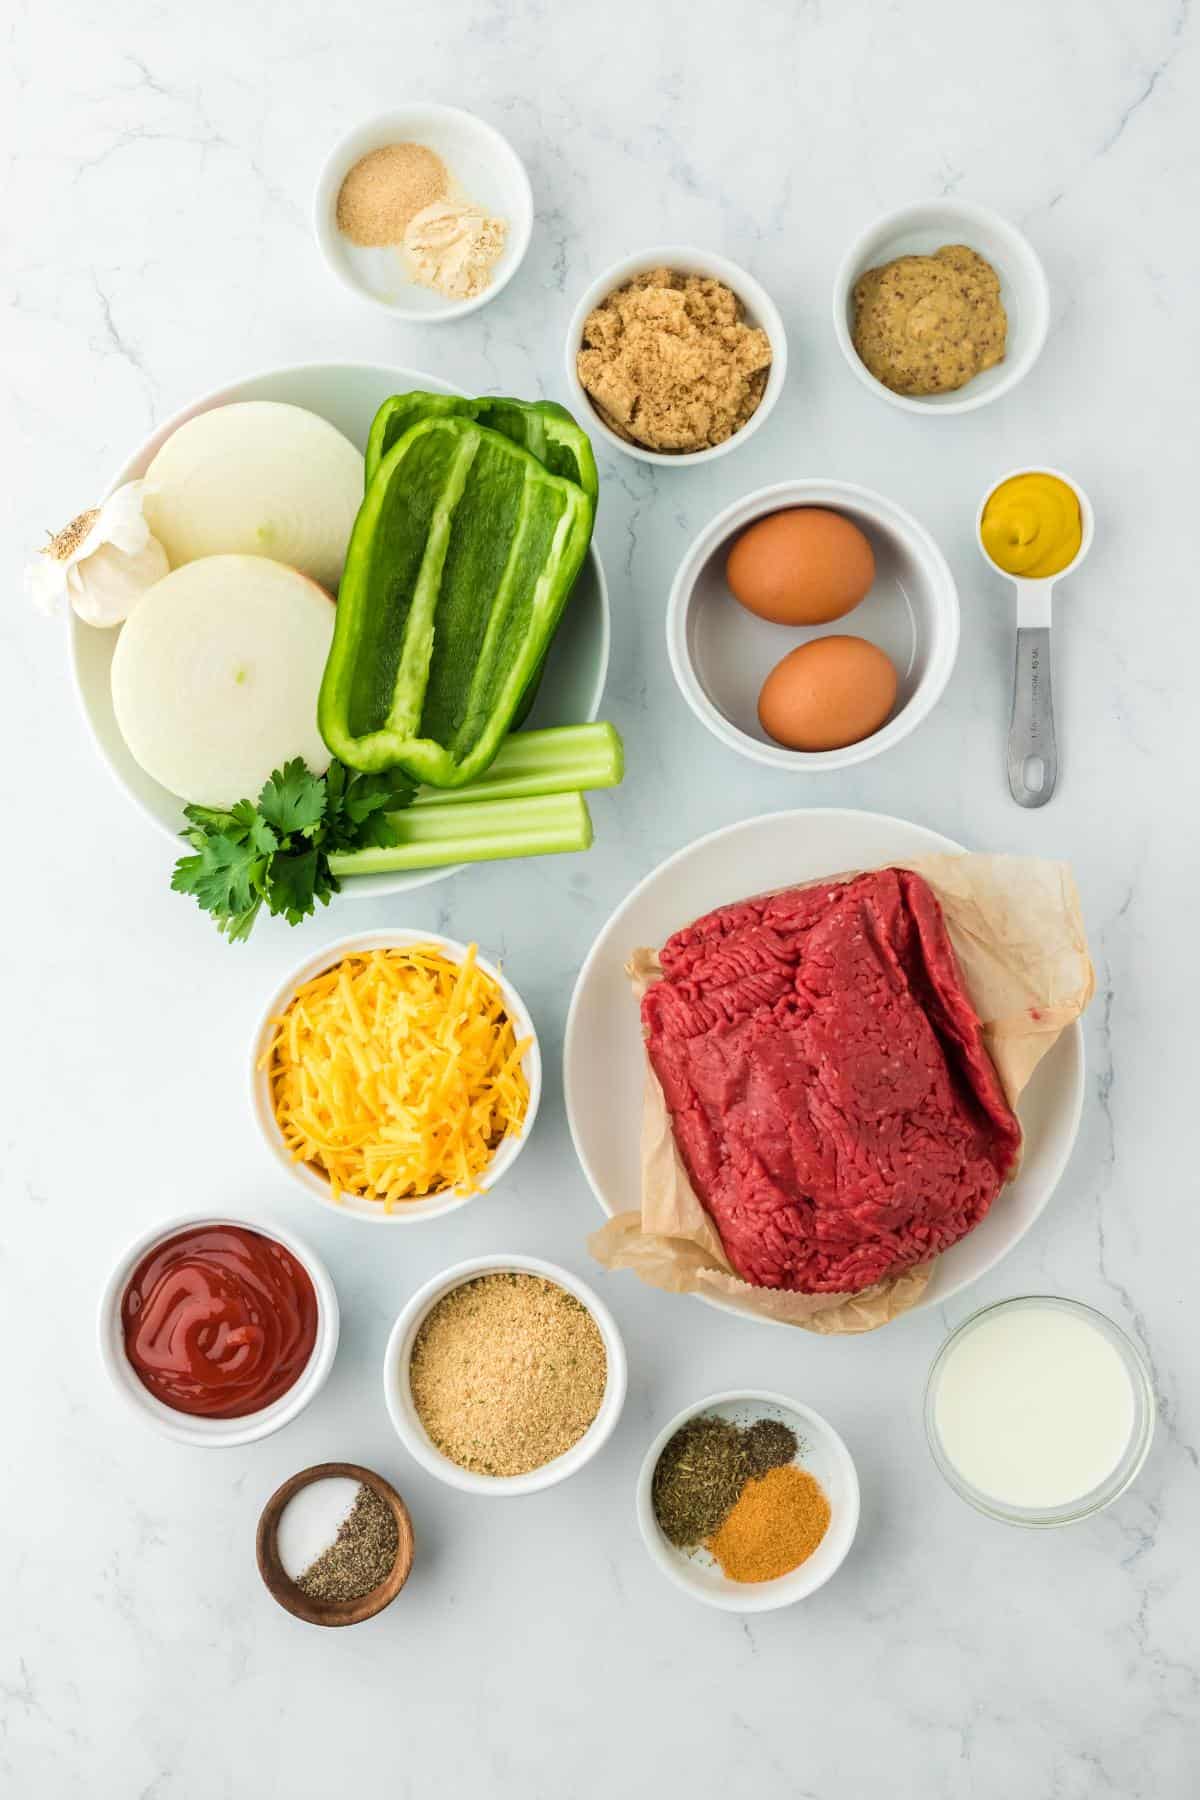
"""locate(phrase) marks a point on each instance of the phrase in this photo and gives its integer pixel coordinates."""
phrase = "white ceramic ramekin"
(480, 161)
(760, 310)
(823, 1454)
(721, 654)
(185, 1428)
(918, 231)
(350, 1206)
(398, 1397)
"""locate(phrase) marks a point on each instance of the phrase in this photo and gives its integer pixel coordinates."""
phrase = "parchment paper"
(1017, 930)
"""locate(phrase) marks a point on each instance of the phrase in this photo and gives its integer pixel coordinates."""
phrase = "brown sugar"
(669, 362)
(386, 189)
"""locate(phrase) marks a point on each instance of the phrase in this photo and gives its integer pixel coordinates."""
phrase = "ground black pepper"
(768, 1444)
(360, 1556)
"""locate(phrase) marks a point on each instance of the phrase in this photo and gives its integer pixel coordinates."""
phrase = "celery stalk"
(564, 759)
(475, 832)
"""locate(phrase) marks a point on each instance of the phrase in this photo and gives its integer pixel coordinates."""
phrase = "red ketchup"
(219, 1321)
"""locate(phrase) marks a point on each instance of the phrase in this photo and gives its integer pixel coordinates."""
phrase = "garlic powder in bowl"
(425, 211)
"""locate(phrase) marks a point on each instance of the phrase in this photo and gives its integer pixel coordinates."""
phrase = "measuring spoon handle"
(1031, 731)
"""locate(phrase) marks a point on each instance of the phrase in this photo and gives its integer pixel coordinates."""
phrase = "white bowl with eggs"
(920, 230)
(721, 654)
(483, 167)
(758, 310)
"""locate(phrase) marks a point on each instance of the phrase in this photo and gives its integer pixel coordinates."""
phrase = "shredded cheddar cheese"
(397, 1073)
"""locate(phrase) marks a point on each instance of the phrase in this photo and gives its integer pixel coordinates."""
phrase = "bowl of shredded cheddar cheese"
(396, 1075)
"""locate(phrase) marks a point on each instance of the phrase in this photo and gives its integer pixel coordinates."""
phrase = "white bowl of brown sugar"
(504, 1375)
(425, 211)
(675, 355)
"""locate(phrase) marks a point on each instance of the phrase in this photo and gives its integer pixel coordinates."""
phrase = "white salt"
(309, 1522)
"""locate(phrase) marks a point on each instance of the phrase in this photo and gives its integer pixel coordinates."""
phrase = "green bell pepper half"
(462, 557)
(542, 427)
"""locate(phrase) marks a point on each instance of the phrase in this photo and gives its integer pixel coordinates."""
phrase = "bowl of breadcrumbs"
(675, 355)
(504, 1375)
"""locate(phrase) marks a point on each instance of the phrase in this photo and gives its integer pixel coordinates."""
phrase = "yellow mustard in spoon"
(1035, 525)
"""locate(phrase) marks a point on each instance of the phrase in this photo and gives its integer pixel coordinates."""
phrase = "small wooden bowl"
(332, 1612)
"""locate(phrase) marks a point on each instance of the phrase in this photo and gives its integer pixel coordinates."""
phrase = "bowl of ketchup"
(218, 1330)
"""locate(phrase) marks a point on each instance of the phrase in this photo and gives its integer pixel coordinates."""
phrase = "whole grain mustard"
(930, 324)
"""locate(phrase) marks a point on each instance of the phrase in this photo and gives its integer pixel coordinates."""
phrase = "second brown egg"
(804, 565)
(828, 693)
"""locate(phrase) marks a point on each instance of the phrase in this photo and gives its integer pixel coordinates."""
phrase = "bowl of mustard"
(941, 307)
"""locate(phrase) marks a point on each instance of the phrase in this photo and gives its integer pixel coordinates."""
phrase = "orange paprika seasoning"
(775, 1525)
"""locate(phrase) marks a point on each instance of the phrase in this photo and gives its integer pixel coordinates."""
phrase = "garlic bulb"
(102, 562)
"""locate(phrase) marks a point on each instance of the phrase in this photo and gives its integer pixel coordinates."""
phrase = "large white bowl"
(721, 654)
(480, 161)
(348, 395)
(186, 1428)
(824, 1455)
(604, 1056)
(918, 231)
(352, 1206)
(759, 309)
(397, 1393)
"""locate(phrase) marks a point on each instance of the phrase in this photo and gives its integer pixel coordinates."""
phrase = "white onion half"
(257, 478)
(216, 673)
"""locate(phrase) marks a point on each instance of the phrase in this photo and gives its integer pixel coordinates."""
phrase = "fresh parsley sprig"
(275, 852)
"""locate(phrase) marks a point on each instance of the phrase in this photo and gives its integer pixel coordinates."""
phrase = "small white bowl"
(352, 1206)
(480, 162)
(759, 310)
(398, 1395)
(822, 1453)
(185, 1428)
(920, 230)
(721, 654)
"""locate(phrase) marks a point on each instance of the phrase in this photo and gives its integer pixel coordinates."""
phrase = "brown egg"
(802, 566)
(826, 694)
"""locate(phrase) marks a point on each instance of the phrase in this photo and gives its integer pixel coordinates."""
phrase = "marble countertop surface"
(159, 163)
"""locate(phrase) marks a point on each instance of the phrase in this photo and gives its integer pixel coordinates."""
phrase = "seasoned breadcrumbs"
(507, 1372)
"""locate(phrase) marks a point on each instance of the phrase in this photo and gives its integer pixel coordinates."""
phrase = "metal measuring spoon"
(1032, 750)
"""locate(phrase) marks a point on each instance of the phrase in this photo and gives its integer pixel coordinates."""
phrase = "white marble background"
(158, 164)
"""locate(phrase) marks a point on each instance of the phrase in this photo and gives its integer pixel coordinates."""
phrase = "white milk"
(1034, 1406)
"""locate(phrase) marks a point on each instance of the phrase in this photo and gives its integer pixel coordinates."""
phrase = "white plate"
(603, 1060)
(348, 395)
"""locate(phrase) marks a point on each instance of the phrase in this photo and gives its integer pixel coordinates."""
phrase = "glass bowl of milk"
(1039, 1411)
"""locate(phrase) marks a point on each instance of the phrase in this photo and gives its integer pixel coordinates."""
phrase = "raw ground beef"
(828, 1084)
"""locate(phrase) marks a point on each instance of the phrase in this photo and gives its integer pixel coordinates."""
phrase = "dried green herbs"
(360, 1556)
(703, 1469)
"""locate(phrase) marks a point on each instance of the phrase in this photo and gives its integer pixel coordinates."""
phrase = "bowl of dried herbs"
(748, 1501)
